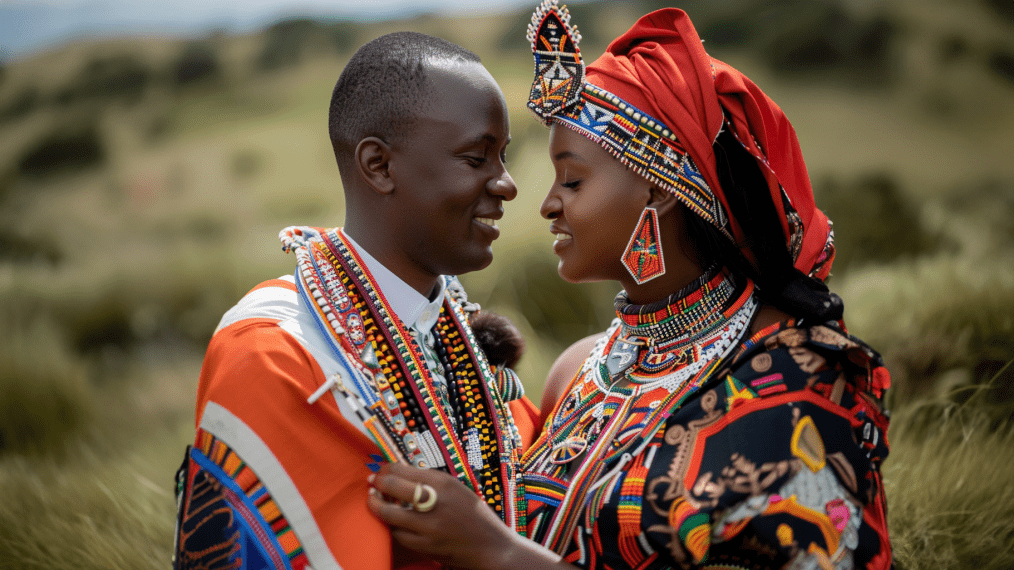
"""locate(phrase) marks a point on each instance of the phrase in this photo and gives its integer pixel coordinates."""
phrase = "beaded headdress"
(640, 141)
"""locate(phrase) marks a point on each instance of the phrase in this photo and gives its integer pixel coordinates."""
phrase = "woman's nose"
(551, 206)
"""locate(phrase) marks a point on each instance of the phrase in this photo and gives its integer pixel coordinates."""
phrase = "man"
(365, 354)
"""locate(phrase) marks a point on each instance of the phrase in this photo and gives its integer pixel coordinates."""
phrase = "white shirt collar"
(409, 305)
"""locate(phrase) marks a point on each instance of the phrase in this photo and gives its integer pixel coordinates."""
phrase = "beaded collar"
(601, 420)
(392, 391)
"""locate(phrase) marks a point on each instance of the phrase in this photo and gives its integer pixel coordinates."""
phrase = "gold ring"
(431, 498)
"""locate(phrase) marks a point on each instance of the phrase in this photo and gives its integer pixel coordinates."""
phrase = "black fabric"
(778, 281)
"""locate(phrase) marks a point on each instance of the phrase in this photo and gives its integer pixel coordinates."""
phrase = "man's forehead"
(460, 94)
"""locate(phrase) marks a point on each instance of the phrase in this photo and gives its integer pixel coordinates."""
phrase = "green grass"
(950, 486)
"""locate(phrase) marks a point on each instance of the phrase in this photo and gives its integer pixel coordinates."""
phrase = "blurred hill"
(143, 182)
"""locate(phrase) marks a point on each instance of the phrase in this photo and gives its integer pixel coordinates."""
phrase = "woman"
(725, 419)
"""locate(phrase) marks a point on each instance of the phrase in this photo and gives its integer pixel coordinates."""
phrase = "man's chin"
(471, 261)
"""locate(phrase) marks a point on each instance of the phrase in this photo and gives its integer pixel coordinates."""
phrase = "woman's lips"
(563, 239)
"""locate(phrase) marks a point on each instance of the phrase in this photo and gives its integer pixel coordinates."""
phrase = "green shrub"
(804, 36)
(21, 249)
(559, 312)
(23, 104)
(197, 63)
(343, 36)
(873, 221)
(121, 76)
(62, 151)
(1003, 8)
(1001, 62)
(941, 323)
(285, 43)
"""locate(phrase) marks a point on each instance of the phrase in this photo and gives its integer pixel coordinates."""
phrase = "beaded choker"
(389, 385)
(684, 315)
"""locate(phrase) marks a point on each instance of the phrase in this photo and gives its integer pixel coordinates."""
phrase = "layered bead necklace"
(393, 392)
(647, 364)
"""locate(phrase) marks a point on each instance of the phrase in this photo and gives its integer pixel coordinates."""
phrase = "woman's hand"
(458, 529)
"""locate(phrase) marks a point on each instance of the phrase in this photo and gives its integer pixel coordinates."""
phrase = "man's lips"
(489, 219)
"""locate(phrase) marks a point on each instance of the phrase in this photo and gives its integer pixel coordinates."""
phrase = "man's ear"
(373, 160)
(662, 200)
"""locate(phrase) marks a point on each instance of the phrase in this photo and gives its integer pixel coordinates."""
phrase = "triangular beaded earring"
(643, 256)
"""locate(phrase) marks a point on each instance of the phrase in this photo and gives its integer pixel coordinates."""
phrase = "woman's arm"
(460, 530)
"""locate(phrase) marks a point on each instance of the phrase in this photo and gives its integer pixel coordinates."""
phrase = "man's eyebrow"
(482, 139)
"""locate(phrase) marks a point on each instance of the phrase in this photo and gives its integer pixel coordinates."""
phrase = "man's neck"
(426, 285)
(407, 303)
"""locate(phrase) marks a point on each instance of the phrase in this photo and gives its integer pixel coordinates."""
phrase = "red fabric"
(661, 67)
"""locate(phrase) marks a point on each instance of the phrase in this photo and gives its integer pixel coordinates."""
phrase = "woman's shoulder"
(821, 357)
(563, 371)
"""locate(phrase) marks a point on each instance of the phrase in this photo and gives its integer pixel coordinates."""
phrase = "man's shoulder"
(274, 299)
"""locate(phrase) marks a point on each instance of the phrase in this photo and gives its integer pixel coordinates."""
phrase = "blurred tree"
(1003, 8)
(197, 63)
(16, 247)
(1001, 62)
(285, 41)
(342, 35)
(26, 101)
(63, 151)
(797, 36)
(559, 311)
(121, 76)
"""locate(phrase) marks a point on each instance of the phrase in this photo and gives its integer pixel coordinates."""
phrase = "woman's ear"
(373, 160)
(662, 200)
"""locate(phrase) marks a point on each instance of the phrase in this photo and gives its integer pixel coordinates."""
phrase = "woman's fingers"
(395, 486)
(392, 513)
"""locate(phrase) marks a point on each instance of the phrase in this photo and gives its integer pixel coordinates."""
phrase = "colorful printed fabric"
(773, 461)
(267, 459)
(227, 517)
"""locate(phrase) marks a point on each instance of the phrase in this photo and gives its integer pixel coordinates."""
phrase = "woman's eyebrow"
(565, 154)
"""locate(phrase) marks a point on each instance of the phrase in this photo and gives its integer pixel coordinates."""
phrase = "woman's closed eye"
(573, 184)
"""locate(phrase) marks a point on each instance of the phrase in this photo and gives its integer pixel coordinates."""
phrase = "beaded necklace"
(643, 369)
(394, 394)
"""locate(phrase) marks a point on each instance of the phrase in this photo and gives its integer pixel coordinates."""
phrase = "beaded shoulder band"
(643, 143)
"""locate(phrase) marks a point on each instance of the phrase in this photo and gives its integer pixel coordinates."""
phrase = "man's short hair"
(383, 88)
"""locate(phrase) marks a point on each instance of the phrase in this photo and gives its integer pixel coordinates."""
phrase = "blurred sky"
(31, 25)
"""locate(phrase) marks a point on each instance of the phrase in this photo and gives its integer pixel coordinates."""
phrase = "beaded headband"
(641, 142)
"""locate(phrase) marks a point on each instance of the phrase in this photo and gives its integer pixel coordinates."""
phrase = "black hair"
(383, 88)
(778, 282)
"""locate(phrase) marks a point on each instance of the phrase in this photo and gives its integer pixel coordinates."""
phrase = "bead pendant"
(569, 449)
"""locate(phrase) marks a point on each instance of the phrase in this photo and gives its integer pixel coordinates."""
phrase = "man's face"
(449, 174)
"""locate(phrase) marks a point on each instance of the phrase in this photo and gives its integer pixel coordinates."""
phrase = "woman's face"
(594, 205)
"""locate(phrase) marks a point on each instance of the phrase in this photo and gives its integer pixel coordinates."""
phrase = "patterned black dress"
(711, 450)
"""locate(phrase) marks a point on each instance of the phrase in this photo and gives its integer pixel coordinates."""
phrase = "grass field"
(171, 176)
